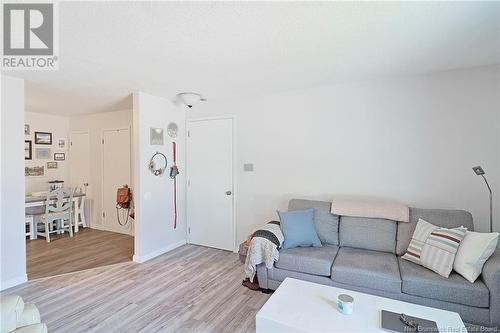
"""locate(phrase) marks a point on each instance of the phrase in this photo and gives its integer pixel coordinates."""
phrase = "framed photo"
(34, 171)
(42, 153)
(156, 136)
(62, 143)
(59, 156)
(27, 150)
(43, 138)
(51, 165)
(26, 129)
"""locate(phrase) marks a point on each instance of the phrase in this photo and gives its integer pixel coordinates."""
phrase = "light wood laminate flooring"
(190, 289)
(89, 248)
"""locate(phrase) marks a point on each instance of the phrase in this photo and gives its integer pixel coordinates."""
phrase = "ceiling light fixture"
(189, 99)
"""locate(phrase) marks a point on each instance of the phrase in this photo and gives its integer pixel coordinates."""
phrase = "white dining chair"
(31, 215)
(58, 215)
(79, 207)
(29, 223)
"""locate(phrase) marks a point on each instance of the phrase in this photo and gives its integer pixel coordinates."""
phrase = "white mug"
(345, 304)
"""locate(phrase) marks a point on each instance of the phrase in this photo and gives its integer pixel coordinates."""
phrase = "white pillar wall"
(12, 234)
(153, 195)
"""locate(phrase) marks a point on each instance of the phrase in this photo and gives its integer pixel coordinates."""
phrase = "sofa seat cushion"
(420, 281)
(311, 260)
(366, 268)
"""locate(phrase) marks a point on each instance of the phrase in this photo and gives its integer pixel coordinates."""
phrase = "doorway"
(85, 169)
(210, 184)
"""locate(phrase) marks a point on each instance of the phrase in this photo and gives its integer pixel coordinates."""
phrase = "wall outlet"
(248, 167)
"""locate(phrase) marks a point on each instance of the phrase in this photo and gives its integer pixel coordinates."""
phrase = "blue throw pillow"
(298, 229)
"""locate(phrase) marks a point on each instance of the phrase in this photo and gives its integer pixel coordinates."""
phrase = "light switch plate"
(248, 167)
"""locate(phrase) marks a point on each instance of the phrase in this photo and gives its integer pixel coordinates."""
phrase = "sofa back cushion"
(325, 223)
(368, 233)
(446, 218)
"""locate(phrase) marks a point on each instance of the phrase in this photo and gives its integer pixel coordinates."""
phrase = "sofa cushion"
(368, 233)
(326, 223)
(365, 268)
(311, 260)
(446, 218)
(298, 229)
(420, 281)
(434, 247)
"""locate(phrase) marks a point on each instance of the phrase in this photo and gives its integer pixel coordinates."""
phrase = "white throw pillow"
(474, 250)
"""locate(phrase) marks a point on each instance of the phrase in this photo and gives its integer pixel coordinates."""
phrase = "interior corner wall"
(94, 124)
(412, 139)
(59, 127)
(12, 233)
(154, 232)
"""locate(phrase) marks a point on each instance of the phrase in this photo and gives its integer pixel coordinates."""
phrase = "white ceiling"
(242, 49)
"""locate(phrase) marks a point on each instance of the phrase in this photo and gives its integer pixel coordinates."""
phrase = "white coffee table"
(300, 306)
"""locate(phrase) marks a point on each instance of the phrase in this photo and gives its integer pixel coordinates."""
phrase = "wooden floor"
(190, 289)
(89, 248)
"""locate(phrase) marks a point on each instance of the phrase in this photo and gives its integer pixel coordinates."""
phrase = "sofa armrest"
(491, 277)
(30, 316)
(262, 276)
(11, 308)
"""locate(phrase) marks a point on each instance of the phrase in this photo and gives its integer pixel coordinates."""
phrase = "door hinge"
(189, 230)
(71, 143)
(189, 182)
(102, 141)
(189, 134)
(103, 214)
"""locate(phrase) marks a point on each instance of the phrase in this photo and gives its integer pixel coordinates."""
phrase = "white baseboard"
(154, 254)
(13, 282)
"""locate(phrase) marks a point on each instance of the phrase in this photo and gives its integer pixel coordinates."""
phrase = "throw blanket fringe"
(264, 248)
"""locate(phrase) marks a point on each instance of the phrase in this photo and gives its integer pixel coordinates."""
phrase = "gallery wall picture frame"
(34, 171)
(43, 153)
(62, 143)
(27, 129)
(28, 150)
(59, 156)
(156, 136)
(51, 165)
(43, 138)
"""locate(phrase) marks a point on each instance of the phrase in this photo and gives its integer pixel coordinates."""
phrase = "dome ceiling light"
(189, 99)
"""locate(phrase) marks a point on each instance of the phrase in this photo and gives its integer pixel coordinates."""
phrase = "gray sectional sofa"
(364, 255)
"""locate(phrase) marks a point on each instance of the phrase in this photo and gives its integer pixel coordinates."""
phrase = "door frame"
(234, 178)
(101, 225)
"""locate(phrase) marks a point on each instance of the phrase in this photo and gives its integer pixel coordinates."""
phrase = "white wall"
(59, 127)
(12, 239)
(410, 139)
(154, 233)
(94, 124)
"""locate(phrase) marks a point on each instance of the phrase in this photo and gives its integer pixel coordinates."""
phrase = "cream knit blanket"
(371, 208)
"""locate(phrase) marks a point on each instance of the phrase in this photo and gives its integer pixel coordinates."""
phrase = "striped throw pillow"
(434, 247)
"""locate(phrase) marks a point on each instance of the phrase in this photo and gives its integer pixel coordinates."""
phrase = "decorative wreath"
(152, 164)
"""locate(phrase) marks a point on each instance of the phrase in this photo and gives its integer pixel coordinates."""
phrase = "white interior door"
(210, 183)
(79, 163)
(115, 174)
(79, 160)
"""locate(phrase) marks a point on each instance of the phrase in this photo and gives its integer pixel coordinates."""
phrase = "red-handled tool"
(174, 171)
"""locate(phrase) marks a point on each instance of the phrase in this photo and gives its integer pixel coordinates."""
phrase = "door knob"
(228, 192)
